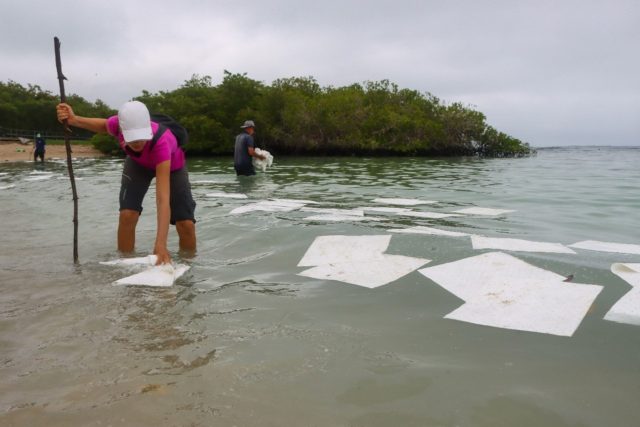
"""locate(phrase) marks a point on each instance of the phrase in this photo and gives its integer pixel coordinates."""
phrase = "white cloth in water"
(518, 245)
(430, 215)
(403, 202)
(428, 230)
(627, 309)
(155, 275)
(483, 211)
(334, 211)
(269, 206)
(158, 276)
(371, 274)
(621, 248)
(344, 249)
(502, 291)
(358, 260)
(262, 164)
(39, 178)
(145, 260)
(341, 218)
(383, 209)
(228, 195)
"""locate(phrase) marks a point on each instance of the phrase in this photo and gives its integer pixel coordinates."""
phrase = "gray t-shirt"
(241, 157)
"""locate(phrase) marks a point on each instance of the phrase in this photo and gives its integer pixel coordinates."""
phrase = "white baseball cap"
(135, 122)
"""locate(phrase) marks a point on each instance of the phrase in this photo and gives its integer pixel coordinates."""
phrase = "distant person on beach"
(164, 160)
(245, 150)
(39, 148)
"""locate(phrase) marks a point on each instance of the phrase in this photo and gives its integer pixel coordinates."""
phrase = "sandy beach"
(16, 152)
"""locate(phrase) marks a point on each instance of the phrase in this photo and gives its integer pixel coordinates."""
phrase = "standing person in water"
(245, 150)
(39, 147)
(164, 160)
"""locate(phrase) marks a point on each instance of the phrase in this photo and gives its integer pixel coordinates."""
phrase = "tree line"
(293, 116)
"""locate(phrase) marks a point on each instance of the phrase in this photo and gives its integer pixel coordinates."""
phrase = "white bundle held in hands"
(260, 163)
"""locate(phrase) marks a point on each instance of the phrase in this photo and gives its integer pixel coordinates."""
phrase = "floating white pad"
(6, 187)
(340, 218)
(502, 291)
(358, 260)
(428, 230)
(333, 211)
(370, 274)
(483, 211)
(384, 209)
(39, 178)
(621, 248)
(627, 309)
(268, 206)
(430, 215)
(518, 245)
(404, 202)
(304, 202)
(145, 260)
(228, 195)
(260, 163)
(157, 276)
(344, 249)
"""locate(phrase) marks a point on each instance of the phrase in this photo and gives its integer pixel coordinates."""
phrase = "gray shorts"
(135, 183)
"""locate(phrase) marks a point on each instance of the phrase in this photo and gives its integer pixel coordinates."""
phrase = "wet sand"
(16, 152)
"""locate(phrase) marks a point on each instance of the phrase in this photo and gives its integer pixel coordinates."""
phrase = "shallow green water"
(243, 340)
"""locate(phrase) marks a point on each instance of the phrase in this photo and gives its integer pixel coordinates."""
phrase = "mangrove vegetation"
(293, 116)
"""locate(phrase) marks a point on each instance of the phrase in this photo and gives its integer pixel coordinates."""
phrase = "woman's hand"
(163, 256)
(65, 112)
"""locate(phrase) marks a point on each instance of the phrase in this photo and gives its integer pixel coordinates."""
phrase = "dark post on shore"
(67, 143)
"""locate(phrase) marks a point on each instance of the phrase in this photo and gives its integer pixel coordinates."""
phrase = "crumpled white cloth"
(159, 276)
(155, 275)
(260, 163)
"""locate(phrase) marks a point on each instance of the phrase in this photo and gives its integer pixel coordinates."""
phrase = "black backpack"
(165, 123)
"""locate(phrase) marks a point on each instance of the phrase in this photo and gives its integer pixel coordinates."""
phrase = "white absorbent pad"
(370, 274)
(39, 178)
(344, 249)
(518, 245)
(145, 260)
(335, 211)
(228, 195)
(269, 206)
(358, 260)
(340, 218)
(428, 230)
(627, 309)
(262, 164)
(154, 275)
(430, 215)
(383, 209)
(483, 211)
(403, 202)
(621, 248)
(502, 291)
(159, 276)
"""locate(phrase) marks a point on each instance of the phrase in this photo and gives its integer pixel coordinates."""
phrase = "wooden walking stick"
(67, 143)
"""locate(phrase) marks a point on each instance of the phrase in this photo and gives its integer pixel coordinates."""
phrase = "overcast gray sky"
(548, 72)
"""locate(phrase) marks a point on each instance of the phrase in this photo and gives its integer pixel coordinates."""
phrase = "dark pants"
(135, 183)
(37, 154)
(246, 170)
